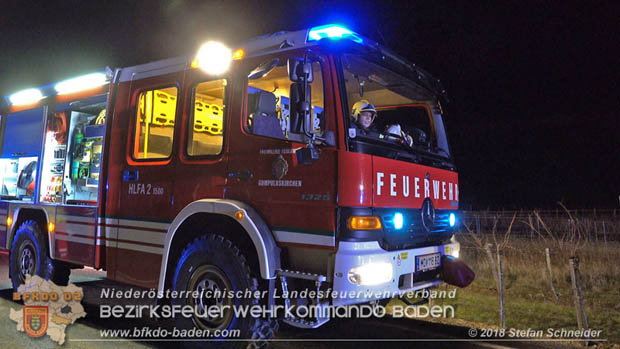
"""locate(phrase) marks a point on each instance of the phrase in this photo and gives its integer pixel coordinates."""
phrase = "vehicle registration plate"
(427, 262)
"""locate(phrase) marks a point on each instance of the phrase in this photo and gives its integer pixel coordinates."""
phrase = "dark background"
(533, 117)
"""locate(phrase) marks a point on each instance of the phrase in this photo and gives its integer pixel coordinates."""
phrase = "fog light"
(452, 219)
(371, 274)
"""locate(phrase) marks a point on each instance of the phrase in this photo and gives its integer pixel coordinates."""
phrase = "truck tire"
(29, 256)
(211, 263)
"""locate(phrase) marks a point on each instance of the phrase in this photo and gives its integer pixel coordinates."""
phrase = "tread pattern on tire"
(261, 329)
(55, 271)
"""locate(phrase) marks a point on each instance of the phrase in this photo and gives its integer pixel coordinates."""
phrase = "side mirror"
(298, 71)
(300, 108)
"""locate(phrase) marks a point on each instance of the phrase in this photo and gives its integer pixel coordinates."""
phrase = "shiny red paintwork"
(338, 179)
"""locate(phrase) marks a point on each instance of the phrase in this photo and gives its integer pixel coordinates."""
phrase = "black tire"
(29, 255)
(213, 262)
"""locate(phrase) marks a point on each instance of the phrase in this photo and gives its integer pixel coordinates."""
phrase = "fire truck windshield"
(406, 121)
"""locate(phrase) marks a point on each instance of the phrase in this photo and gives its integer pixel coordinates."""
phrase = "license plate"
(427, 262)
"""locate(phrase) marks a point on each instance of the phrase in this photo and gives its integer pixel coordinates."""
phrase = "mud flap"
(456, 272)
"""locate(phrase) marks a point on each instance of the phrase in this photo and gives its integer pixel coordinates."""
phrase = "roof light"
(29, 96)
(81, 83)
(239, 54)
(332, 31)
(213, 57)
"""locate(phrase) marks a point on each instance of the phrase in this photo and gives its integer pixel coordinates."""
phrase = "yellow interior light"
(9, 221)
(364, 223)
(239, 54)
(239, 215)
(51, 227)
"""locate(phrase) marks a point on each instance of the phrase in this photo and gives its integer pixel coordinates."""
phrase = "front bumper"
(404, 278)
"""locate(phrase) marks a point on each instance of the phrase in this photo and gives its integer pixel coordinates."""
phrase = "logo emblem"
(279, 167)
(35, 320)
(428, 214)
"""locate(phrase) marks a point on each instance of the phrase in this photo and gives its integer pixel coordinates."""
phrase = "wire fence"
(596, 225)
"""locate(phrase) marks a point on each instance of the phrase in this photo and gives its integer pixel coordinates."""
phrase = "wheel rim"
(27, 260)
(208, 280)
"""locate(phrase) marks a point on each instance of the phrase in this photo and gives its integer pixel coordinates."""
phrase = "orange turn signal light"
(239, 54)
(239, 215)
(51, 226)
(364, 223)
(9, 221)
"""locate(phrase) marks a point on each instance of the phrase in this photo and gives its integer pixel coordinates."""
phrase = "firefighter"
(364, 114)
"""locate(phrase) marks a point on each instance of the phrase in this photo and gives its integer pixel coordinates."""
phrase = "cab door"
(298, 201)
(144, 171)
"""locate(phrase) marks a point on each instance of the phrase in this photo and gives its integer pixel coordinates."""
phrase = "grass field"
(529, 302)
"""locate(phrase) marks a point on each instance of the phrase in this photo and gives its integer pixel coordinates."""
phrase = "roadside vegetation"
(530, 299)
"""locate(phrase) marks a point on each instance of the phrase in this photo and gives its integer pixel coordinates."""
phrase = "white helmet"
(393, 130)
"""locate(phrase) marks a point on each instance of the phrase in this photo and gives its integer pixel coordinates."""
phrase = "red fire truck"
(236, 170)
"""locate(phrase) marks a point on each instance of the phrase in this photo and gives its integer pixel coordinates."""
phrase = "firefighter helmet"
(360, 106)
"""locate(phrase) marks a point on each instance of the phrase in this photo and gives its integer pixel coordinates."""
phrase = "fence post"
(478, 224)
(573, 264)
(582, 318)
(604, 233)
(596, 231)
(502, 317)
(548, 255)
(493, 264)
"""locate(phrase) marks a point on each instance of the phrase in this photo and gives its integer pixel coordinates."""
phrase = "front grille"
(413, 233)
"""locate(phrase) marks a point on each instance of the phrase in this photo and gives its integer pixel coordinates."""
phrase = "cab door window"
(154, 124)
(268, 102)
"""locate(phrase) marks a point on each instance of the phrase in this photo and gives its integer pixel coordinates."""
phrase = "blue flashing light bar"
(333, 31)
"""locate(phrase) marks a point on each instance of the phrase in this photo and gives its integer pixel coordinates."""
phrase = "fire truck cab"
(236, 170)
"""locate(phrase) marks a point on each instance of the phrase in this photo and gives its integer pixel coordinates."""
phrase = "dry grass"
(529, 300)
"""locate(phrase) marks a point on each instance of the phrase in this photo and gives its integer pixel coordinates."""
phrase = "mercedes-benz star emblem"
(428, 214)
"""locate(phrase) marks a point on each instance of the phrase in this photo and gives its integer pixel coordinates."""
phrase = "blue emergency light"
(332, 31)
(452, 219)
(398, 221)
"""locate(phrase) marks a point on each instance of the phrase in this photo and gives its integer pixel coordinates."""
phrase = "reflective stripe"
(303, 238)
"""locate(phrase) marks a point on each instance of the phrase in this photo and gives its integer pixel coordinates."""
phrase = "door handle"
(130, 175)
(245, 174)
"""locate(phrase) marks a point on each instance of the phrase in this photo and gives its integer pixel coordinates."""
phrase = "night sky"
(535, 102)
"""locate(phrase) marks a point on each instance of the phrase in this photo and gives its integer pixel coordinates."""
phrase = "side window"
(154, 122)
(268, 107)
(205, 137)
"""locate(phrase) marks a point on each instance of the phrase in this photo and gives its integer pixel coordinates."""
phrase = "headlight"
(371, 274)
